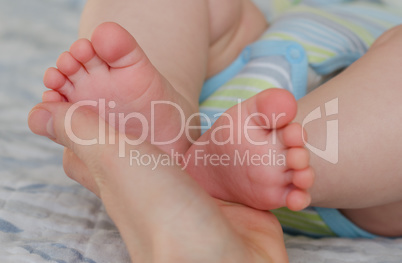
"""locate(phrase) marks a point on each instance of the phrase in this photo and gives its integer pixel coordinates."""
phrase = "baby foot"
(112, 67)
(253, 155)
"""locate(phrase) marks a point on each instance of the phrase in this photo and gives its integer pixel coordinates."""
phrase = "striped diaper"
(334, 36)
(324, 36)
(325, 39)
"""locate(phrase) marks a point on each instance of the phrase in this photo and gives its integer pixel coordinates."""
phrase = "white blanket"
(44, 216)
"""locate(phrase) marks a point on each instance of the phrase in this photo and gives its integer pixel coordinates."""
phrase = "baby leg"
(185, 40)
(177, 45)
(367, 173)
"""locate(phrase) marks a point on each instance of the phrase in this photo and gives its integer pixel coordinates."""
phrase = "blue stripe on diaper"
(374, 28)
(294, 54)
(273, 72)
(342, 226)
(316, 20)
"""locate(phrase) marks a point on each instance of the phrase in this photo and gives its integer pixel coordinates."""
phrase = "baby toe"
(83, 51)
(54, 79)
(70, 67)
(298, 200)
(297, 158)
(304, 179)
(293, 135)
(57, 81)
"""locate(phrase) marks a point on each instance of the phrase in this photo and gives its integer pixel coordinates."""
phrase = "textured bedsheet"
(44, 216)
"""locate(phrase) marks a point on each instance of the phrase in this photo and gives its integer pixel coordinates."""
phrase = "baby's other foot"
(253, 155)
(113, 68)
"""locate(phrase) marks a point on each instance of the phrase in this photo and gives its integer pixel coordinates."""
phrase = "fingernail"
(49, 127)
(44, 120)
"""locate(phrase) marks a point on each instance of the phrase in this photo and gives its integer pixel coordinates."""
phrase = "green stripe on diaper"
(358, 30)
(380, 22)
(239, 93)
(382, 15)
(308, 47)
(252, 82)
(316, 54)
(281, 6)
(383, 9)
(305, 222)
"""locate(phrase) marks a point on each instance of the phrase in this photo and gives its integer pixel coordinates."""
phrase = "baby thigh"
(368, 143)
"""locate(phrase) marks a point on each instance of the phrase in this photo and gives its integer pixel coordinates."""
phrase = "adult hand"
(161, 213)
